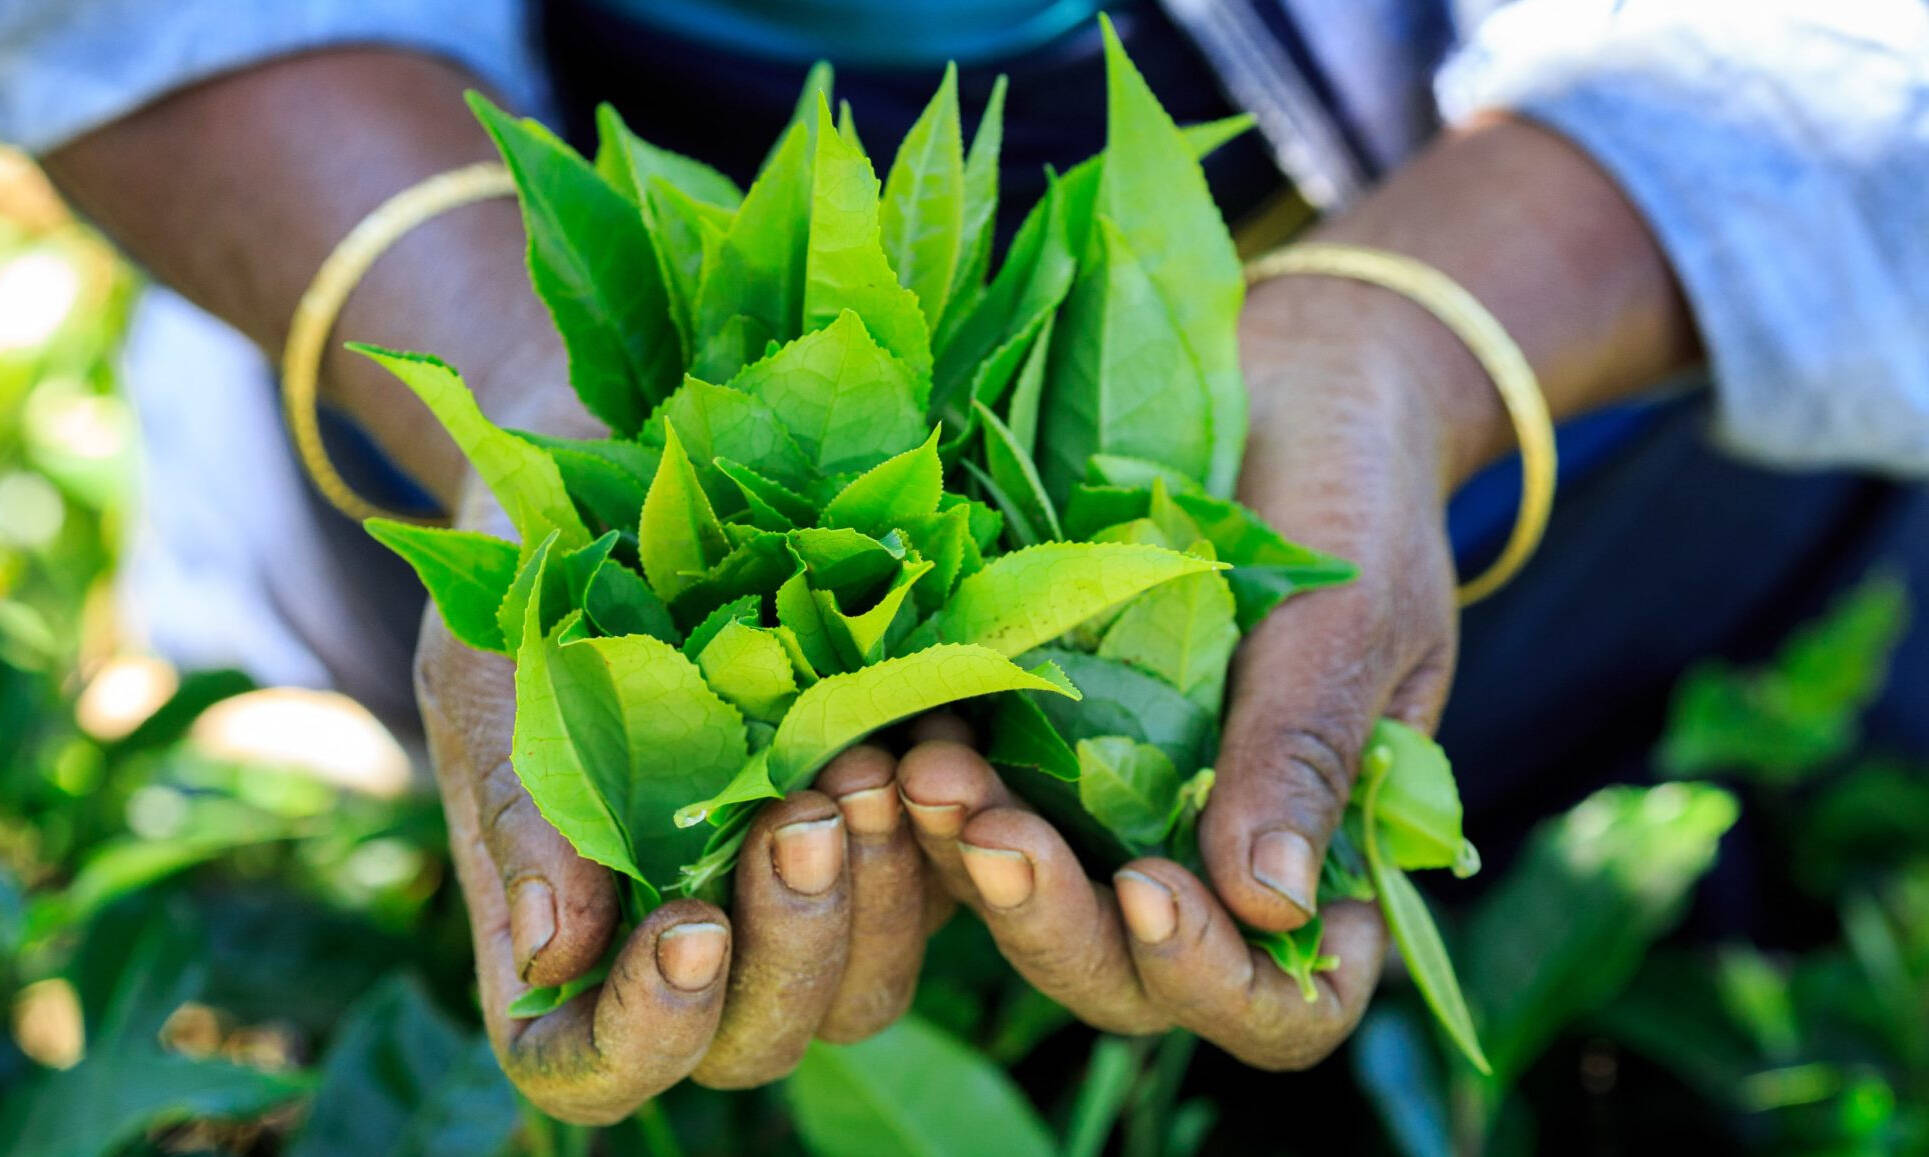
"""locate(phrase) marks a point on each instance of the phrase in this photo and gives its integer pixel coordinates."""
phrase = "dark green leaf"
(1183, 632)
(1130, 787)
(619, 602)
(924, 203)
(980, 203)
(773, 506)
(1011, 469)
(593, 264)
(720, 422)
(890, 494)
(1119, 700)
(742, 610)
(628, 163)
(759, 270)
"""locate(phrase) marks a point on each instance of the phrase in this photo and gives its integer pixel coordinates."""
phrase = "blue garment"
(896, 33)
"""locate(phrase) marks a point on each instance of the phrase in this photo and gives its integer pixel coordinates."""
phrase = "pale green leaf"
(1017, 478)
(840, 710)
(924, 203)
(1413, 929)
(1153, 190)
(890, 494)
(1418, 806)
(846, 267)
(467, 574)
(1122, 379)
(593, 264)
(1121, 700)
(719, 422)
(742, 610)
(1030, 388)
(847, 401)
(750, 669)
(980, 201)
(759, 269)
(680, 538)
(1183, 632)
(687, 233)
(520, 475)
(1029, 597)
(751, 783)
(1207, 137)
(629, 163)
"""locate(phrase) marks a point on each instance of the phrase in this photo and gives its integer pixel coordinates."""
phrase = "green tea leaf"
(1418, 802)
(924, 203)
(619, 602)
(840, 710)
(1122, 379)
(1025, 396)
(809, 622)
(659, 735)
(1265, 567)
(742, 610)
(538, 582)
(751, 783)
(628, 163)
(543, 1001)
(1183, 632)
(720, 422)
(1128, 786)
(1137, 473)
(980, 203)
(1207, 137)
(593, 264)
(1016, 478)
(847, 401)
(680, 538)
(843, 559)
(1119, 700)
(773, 505)
(557, 748)
(688, 235)
(750, 669)
(1029, 597)
(754, 567)
(467, 574)
(846, 269)
(847, 127)
(944, 540)
(1153, 190)
(759, 269)
(911, 1091)
(1020, 530)
(608, 492)
(1413, 929)
(989, 341)
(891, 493)
(520, 475)
(861, 638)
(1298, 954)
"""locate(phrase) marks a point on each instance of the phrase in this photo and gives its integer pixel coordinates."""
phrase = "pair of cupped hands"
(838, 886)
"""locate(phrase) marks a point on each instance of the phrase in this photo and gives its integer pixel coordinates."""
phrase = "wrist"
(1409, 370)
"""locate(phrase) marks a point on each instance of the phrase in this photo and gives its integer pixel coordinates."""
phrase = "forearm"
(1540, 236)
(234, 191)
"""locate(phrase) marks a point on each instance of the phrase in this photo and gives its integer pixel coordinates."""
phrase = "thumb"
(1310, 682)
(561, 908)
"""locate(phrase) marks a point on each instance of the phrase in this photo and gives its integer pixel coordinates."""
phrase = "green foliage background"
(261, 962)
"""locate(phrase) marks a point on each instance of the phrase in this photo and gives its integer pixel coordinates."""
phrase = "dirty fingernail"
(1150, 911)
(809, 854)
(690, 955)
(943, 820)
(1284, 862)
(871, 812)
(1001, 876)
(532, 920)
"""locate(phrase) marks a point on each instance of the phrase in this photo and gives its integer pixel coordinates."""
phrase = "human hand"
(1348, 456)
(824, 937)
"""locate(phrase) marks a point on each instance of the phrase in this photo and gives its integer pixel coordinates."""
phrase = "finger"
(793, 924)
(1310, 681)
(943, 784)
(1197, 966)
(562, 908)
(1060, 931)
(596, 1059)
(942, 725)
(887, 896)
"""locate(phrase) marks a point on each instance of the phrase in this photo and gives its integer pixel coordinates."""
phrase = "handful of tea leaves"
(854, 476)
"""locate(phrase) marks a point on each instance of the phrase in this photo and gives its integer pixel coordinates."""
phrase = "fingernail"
(532, 920)
(809, 854)
(689, 955)
(1002, 877)
(942, 820)
(1150, 911)
(871, 812)
(1284, 862)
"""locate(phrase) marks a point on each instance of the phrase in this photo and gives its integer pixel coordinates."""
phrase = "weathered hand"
(824, 936)
(1346, 456)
